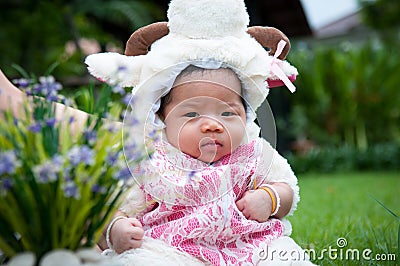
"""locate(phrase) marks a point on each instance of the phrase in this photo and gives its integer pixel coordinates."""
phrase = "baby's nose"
(209, 124)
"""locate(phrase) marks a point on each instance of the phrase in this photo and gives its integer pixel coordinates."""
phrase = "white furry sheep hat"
(205, 33)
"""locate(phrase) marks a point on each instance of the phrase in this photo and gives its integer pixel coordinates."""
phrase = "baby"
(208, 190)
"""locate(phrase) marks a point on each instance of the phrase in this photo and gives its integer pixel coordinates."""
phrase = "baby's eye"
(228, 114)
(191, 114)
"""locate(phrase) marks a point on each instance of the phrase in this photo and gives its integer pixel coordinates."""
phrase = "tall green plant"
(59, 185)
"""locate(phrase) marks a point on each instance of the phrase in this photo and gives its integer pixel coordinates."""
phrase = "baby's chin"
(210, 158)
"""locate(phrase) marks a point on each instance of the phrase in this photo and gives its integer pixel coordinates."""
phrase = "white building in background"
(332, 18)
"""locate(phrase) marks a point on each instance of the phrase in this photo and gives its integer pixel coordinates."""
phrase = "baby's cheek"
(236, 135)
(171, 137)
(187, 143)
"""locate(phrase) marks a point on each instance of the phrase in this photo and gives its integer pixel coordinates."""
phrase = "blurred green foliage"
(348, 94)
(34, 33)
(381, 14)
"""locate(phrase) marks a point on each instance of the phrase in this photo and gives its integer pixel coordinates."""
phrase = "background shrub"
(347, 94)
(377, 157)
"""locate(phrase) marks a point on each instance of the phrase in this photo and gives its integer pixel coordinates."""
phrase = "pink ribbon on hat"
(276, 69)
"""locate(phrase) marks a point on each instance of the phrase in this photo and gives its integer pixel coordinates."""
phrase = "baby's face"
(205, 120)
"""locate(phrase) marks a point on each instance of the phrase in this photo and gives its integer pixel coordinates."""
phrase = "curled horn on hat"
(269, 37)
(140, 41)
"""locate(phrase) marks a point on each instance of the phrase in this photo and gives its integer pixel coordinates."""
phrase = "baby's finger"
(245, 212)
(135, 222)
(137, 233)
(123, 246)
(134, 243)
(240, 204)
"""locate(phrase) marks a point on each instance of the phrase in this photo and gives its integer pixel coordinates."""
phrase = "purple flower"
(51, 122)
(5, 185)
(58, 161)
(74, 156)
(134, 121)
(118, 89)
(87, 155)
(35, 128)
(49, 85)
(8, 162)
(81, 154)
(128, 98)
(67, 173)
(71, 120)
(131, 121)
(112, 128)
(46, 172)
(131, 150)
(123, 174)
(96, 188)
(112, 158)
(153, 134)
(28, 92)
(71, 190)
(22, 83)
(90, 136)
(36, 89)
(52, 96)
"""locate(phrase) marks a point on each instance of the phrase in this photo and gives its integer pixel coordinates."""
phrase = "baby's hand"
(126, 234)
(255, 205)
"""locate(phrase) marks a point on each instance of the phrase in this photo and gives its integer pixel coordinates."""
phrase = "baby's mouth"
(208, 148)
(209, 143)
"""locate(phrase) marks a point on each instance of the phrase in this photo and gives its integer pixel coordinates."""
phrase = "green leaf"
(51, 68)
(7, 249)
(386, 208)
(21, 71)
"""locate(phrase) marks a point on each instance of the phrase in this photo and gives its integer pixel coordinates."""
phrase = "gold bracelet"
(271, 194)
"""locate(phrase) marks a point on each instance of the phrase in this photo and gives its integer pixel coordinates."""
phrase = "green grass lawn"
(342, 206)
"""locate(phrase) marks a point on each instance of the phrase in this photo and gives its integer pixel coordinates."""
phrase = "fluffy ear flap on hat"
(140, 41)
(115, 68)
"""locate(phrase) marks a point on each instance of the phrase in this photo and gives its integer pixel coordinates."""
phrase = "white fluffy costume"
(189, 216)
